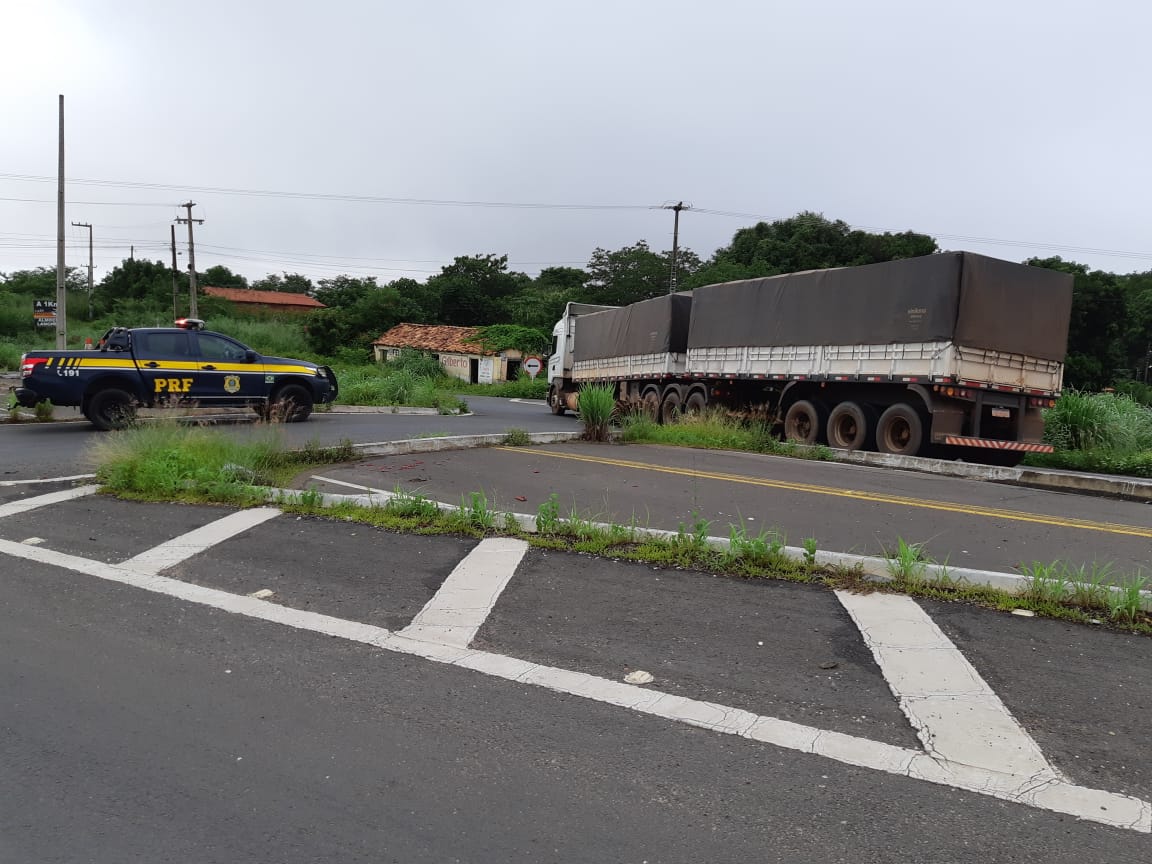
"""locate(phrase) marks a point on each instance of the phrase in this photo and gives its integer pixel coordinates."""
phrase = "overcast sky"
(978, 122)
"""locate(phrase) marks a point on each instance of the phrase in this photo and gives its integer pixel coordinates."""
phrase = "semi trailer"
(953, 354)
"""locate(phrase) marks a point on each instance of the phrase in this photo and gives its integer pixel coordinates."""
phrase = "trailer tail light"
(1042, 403)
(28, 364)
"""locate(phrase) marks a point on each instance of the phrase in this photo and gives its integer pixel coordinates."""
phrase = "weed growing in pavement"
(810, 551)
(1124, 605)
(1046, 582)
(693, 537)
(763, 547)
(311, 497)
(517, 438)
(43, 411)
(1089, 587)
(908, 564)
(548, 516)
(474, 512)
(411, 505)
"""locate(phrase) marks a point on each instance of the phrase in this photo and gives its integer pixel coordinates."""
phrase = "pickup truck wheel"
(292, 403)
(555, 400)
(111, 408)
(804, 423)
(852, 427)
(900, 431)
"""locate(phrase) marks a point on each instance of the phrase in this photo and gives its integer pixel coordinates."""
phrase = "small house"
(461, 358)
(265, 302)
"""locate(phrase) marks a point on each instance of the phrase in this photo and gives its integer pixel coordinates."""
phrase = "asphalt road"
(139, 727)
(847, 508)
(29, 450)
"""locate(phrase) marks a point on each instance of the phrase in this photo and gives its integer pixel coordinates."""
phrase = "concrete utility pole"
(88, 225)
(61, 268)
(192, 310)
(676, 208)
(175, 295)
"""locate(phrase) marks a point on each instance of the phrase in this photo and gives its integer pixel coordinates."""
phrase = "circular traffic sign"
(533, 365)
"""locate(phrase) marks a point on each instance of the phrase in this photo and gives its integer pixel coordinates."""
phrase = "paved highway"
(153, 711)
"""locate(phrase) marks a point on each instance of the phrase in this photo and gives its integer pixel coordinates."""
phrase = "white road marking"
(185, 546)
(47, 480)
(25, 504)
(958, 717)
(369, 489)
(457, 611)
(1121, 811)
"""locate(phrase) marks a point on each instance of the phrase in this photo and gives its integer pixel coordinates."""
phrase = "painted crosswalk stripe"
(179, 549)
(25, 504)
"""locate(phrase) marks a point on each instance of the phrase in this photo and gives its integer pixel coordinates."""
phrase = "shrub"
(1098, 421)
(596, 404)
(420, 364)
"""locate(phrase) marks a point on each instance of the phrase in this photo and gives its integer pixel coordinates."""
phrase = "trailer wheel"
(555, 400)
(696, 403)
(670, 407)
(805, 421)
(650, 404)
(852, 427)
(900, 431)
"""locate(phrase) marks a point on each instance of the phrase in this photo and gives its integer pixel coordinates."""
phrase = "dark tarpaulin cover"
(656, 326)
(976, 301)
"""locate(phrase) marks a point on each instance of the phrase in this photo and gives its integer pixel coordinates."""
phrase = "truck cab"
(561, 391)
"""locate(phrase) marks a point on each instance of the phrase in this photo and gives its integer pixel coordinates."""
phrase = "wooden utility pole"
(61, 267)
(175, 295)
(192, 309)
(675, 208)
(88, 225)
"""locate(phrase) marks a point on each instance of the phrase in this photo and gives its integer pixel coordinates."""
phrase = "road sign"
(533, 365)
(44, 312)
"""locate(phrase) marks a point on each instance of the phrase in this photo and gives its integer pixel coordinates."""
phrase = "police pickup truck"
(185, 365)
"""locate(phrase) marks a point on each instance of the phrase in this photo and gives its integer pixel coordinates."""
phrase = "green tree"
(220, 276)
(41, 281)
(293, 283)
(148, 283)
(474, 290)
(364, 310)
(635, 273)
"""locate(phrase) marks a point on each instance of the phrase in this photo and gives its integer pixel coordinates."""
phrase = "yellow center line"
(858, 495)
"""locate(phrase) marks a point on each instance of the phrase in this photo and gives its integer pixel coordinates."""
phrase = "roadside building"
(262, 303)
(461, 358)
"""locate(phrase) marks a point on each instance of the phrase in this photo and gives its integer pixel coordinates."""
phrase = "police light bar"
(189, 323)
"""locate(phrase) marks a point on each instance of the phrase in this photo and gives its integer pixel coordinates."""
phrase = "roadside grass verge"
(1104, 433)
(167, 461)
(520, 388)
(714, 430)
(378, 385)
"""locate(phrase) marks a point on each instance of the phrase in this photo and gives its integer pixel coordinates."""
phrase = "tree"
(41, 281)
(221, 277)
(807, 241)
(149, 283)
(474, 290)
(293, 283)
(635, 273)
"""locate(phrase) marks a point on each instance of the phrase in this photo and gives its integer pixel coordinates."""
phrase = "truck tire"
(111, 408)
(900, 431)
(852, 427)
(292, 403)
(696, 402)
(650, 404)
(670, 408)
(555, 400)
(805, 421)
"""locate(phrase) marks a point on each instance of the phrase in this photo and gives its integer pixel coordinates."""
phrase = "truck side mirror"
(250, 356)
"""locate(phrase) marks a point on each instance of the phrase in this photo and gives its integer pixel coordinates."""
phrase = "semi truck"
(953, 355)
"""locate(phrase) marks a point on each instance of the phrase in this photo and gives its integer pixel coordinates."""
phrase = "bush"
(10, 356)
(421, 364)
(597, 403)
(1108, 422)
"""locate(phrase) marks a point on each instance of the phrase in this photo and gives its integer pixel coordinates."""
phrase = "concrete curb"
(454, 442)
(1128, 488)
(875, 568)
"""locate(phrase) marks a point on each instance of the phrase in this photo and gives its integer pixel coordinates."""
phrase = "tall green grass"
(714, 430)
(596, 405)
(1099, 421)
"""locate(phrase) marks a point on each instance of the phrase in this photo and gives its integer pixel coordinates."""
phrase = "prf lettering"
(173, 385)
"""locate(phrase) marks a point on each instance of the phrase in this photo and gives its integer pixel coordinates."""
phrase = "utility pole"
(88, 225)
(192, 310)
(175, 296)
(676, 208)
(61, 269)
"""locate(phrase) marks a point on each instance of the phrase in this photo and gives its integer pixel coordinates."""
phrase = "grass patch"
(517, 438)
(166, 461)
(1103, 433)
(715, 430)
(596, 405)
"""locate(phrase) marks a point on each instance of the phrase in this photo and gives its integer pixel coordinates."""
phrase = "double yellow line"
(855, 494)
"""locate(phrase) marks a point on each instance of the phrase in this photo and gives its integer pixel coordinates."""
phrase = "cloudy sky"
(380, 135)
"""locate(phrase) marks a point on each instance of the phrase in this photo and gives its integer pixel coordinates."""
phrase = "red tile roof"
(441, 338)
(264, 298)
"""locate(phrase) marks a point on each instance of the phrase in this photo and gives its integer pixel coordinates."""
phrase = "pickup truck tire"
(292, 403)
(111, 408)
(900, 431)
(805, 421)
(852, 427)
